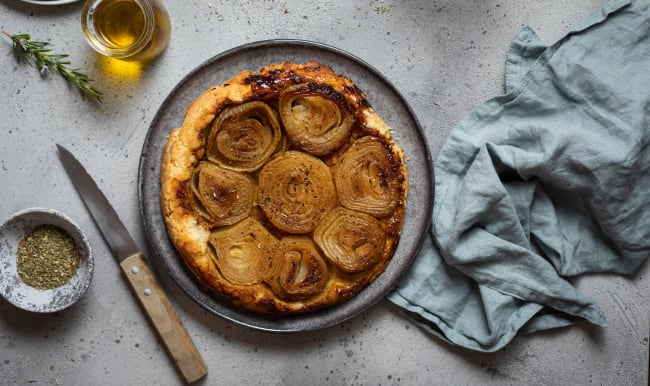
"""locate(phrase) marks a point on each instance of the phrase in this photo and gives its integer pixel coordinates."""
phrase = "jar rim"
(99, 45)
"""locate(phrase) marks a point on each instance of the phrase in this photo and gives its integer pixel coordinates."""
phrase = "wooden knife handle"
(162, 315)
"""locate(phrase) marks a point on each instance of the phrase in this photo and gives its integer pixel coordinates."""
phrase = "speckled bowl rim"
(28, 298)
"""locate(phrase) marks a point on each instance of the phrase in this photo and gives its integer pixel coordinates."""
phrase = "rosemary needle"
(34, 51)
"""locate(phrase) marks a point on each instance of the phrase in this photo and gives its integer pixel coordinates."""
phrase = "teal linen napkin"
(549, 181)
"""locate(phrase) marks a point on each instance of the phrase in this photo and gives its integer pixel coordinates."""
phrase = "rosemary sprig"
(34, 51)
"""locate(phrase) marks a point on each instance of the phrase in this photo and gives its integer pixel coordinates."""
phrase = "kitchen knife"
(139, 275)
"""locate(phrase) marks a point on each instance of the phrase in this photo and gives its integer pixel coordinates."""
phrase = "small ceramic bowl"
(49, 2)
(27, 297)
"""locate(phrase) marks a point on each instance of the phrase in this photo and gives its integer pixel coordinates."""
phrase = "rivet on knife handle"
(163, 316)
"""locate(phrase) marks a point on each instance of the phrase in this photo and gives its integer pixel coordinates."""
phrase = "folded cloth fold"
(539, 185)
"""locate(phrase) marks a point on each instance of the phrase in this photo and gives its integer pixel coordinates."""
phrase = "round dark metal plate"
(386, 101)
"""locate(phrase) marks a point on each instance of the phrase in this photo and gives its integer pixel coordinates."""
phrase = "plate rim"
(283, 323)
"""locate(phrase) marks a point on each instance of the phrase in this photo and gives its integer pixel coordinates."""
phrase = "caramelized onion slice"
(316, 117)
(368, 176)
(299, 270)
(353, 241)
(296, 190)
(222, 196)
(244, 252)
(243, 137)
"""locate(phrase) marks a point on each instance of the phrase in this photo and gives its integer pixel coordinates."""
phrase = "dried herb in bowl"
(47, 257)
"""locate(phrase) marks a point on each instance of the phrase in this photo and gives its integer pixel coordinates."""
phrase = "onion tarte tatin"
(283, 190)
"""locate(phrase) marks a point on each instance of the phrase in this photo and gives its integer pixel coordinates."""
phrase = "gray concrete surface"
(445, 57)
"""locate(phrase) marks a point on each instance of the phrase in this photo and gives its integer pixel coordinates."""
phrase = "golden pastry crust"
(328, 119)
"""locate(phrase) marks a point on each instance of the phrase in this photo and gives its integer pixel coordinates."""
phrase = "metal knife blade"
(115, 233)
(137, 271)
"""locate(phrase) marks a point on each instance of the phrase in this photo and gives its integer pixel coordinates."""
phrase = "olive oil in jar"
(119, 22)
(136, 30)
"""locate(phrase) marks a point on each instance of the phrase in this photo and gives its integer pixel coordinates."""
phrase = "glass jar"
(133, 30)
